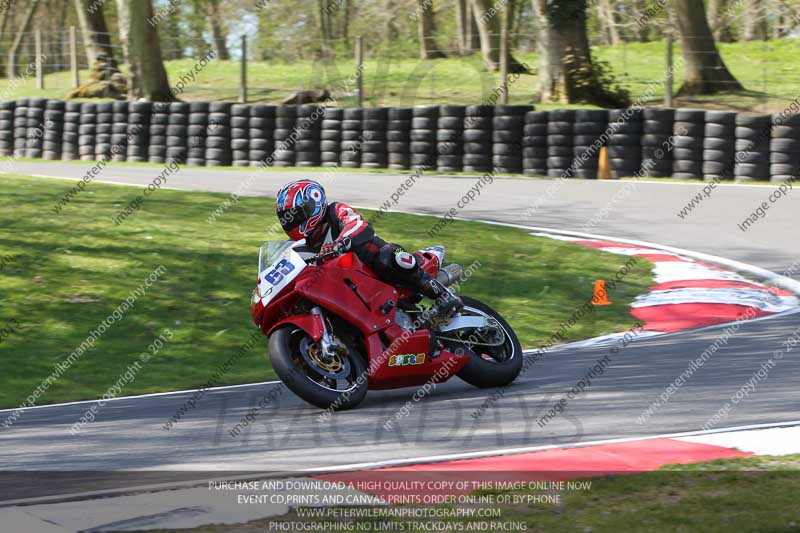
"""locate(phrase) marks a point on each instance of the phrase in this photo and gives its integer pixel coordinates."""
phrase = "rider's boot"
(446, 304)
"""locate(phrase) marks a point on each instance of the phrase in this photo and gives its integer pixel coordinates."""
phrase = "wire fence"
(393, 76)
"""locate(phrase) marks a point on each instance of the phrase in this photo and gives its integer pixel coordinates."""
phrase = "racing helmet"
(301, 207)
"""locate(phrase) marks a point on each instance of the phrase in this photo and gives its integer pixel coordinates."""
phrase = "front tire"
(339, 389)
(492, 367)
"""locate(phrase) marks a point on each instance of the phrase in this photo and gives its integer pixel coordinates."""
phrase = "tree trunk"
(426, 25)
(8, 14)
(566, 72)
(611, 22)
(754, 23)
(214, 23)
(472, 36)
(705, 70)
(147, 78)
(489, 21)
(96, 40)
(461, 25)
(640, 8)
(346, 22)
(12, 52)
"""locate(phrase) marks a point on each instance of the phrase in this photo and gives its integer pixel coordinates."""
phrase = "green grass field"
(64, 274)
(754, 494)
(767, 69)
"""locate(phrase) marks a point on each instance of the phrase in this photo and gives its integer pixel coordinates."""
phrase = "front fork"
(330, 344)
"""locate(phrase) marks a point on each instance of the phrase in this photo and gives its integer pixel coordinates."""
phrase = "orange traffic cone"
(600, 293)
(603, 165)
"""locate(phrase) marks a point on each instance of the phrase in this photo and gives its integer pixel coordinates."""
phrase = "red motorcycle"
(335, 330)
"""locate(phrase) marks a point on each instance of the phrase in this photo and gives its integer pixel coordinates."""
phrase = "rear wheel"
(336, 382)
(496, 354)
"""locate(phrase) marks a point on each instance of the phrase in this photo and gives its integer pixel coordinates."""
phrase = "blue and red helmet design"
(301, 208)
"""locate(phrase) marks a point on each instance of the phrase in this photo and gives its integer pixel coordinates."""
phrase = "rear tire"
(487, 372)
(288, 362)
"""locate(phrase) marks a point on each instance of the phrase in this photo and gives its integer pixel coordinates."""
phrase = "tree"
(215, 30)
(608, 22)
(755, 24)
(567, 73)
(705, 71)
(96, 38)
(147, 76)
(17, 42)
(489, 19)
(426, 25)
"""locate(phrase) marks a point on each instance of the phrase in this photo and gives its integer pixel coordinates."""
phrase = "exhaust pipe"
(450, 274)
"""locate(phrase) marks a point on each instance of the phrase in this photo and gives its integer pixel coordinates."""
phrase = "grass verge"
(63, 274)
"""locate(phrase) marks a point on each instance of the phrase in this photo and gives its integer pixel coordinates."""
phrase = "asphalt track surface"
(289, 435)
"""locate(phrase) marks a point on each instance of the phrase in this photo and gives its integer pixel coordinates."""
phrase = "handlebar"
(342, 247)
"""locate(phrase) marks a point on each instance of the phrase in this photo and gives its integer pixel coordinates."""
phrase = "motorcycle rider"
(304, 213)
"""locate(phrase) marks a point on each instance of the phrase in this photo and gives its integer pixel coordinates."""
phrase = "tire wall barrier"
(650, 142)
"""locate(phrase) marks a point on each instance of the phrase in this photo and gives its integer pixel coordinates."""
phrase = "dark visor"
(295, 216)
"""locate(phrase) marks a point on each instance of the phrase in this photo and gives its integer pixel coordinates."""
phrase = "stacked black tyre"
(398, 138)
(53, 130)
(656, 152)
(35, 137)
(350, 147)
(240, 136)
(590, 124)
(105, 126)
(624, 143)
(177, 133)
(784, 147)
(87, 131)
(534, 144)
(450, 138)
(7, 127)
(687, 136)
(560, 143)
(374, 124)
(138, 132)
(508, 127)
(285, 147)
(309, 132)
(20, 126)
(197, 133)
(477, 137)
(719, 145)
(71, 134)
(753, 139)
(119, 132)
(423, 137)
(331, 137)
(159, 124)
(260, 132)
(218, 135)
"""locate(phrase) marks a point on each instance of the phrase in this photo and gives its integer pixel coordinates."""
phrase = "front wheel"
(335, 382)
(495, 360)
